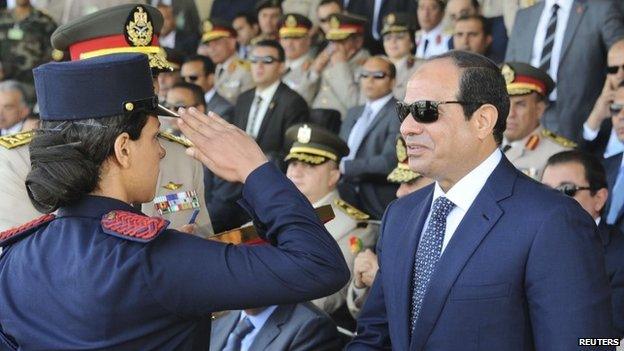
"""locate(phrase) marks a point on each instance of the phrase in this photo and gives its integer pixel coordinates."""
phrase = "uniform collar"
(296, 63)
(95, 207)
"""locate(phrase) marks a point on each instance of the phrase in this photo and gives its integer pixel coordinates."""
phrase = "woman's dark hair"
(66, 157)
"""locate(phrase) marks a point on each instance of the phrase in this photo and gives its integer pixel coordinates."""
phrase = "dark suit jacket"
(220, 106)
(523, 271)
(496, 51)
(593, 26)
(364, 180)
(612, 167)
(613, 244)
(290, 327)
(599, 145)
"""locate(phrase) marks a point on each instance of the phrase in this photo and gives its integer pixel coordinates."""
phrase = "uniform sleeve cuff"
(588, 133)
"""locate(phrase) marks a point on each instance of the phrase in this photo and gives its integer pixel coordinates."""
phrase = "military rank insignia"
(171, 203)
(132, 226)
(15, 140)
(139, 30)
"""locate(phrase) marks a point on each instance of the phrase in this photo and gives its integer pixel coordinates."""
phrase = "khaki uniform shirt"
(232, 78)
(299, 78)
(404, 70)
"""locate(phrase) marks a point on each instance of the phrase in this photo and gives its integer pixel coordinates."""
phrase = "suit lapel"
(476, 224)
(378, 118)
(247, 101)
(271, 329)
(266, 120)
(222, 329)
(576, 14)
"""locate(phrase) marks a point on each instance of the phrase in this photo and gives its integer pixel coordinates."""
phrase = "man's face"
(525, 112)
(323, 12)
(245, 31)
(573, 173)
(181, 98)
(397, 45)
(429, 13)
(376, 87)
(469, 36)
(268, 19)
(438, 150)
(12, 108)
(458, 8)
(169, 19)
(294, 48)
(219, 50)
(615, 58)
(314, 181)
(167, 79)
(193, 72)
(618, 118)
(265, 74)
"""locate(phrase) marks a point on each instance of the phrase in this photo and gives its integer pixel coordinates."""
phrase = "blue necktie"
(428, 254)
(235, 338)
(617, 198)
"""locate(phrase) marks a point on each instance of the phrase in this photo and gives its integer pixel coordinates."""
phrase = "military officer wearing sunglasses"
(527, 144)
(581, 176)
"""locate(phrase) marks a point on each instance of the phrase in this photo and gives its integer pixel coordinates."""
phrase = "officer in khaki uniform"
(313, 167)
(339, 88)
(526, 143)
(105, 32)
(232, 74)
(294, 33)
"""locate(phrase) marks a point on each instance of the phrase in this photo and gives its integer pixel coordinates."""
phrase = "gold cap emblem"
(334, 23)
(139, 30)
(390, 19)
(291, 21)
(304, 134)
(508, 74)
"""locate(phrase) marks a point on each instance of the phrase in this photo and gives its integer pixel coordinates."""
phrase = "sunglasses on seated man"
(267, 60)
(373, 74)
(570, 189)
(190, 79)
(614, 69)
(426, 111)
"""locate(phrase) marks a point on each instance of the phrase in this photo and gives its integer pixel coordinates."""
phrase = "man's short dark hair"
(327, 2)
(485, 23)
(249, 17)
(196, 90)
(481, 82)
(594, 170)
(391, 66)
(281, 56)
(209, 66)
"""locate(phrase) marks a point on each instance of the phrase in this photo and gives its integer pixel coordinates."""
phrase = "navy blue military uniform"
(101, 275)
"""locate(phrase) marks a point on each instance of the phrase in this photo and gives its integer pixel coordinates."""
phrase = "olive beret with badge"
(118, 29)
(522, 78)
(314, 145)
(263, 4)
(216, 28)
(402, 173)
(342, 25)
(294, 25)
(99, 87)
(397, 22)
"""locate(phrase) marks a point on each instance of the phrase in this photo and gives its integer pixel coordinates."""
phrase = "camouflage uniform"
(24, 44)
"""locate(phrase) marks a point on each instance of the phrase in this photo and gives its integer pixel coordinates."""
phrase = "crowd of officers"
(320, 104)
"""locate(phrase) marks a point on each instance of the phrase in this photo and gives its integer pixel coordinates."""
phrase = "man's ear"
(334, 177)
(122, 150)
(484, 120)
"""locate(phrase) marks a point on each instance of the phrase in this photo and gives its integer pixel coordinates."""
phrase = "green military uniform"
(298, 74)
(351, 227)
(24, 44)
(339, 88)
(531, 152)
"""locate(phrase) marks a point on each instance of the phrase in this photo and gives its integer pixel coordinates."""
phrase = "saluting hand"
(226, 150)
(365, 269)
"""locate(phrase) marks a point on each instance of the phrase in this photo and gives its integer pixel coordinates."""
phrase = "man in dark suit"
(200, 70)
(486, 258)
(581, 176)
(370, 130)
(575, 54)
(295, 327)
(615, 165)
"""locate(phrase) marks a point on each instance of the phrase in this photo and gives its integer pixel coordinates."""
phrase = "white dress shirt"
(463, 194)
(168, 41)
(614, 145)
(209, 95)
(258, 322)
(437, 42)
(16, 128)
(267, 95)
(540, 36)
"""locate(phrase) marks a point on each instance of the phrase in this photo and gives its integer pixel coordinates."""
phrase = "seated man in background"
(13, 107)
(473, 33)
(181, 95)
(581, 176)
(200, 70)
(526, 143)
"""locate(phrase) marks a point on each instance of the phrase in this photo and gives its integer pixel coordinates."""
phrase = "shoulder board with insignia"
(350, 210)
(242, 63)
(132, 226)
(558, 139)
(12, 235)
(15, 140)
(532, 142)
(176, 139)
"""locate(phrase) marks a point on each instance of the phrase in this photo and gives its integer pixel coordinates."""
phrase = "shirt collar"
(17, 127)
(564, 5)
(296, 63)
(465, 191)
(227, 62)
(377, 105)
(259, 319)
(209, 94)
(437, 30)
(268, 92)
(325, 199)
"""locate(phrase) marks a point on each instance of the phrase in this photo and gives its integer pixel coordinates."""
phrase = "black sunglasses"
(614, 69)
(570, 189)
(374, 74)
(615, 109)
(264, 59)
(426, 111)
(190, 79)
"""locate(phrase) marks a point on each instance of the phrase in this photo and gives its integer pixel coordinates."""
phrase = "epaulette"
(350, 210)
(558, 139)
(12, 235)
(176, 139)
(15, 140)
(132, 226)
(532, 142)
